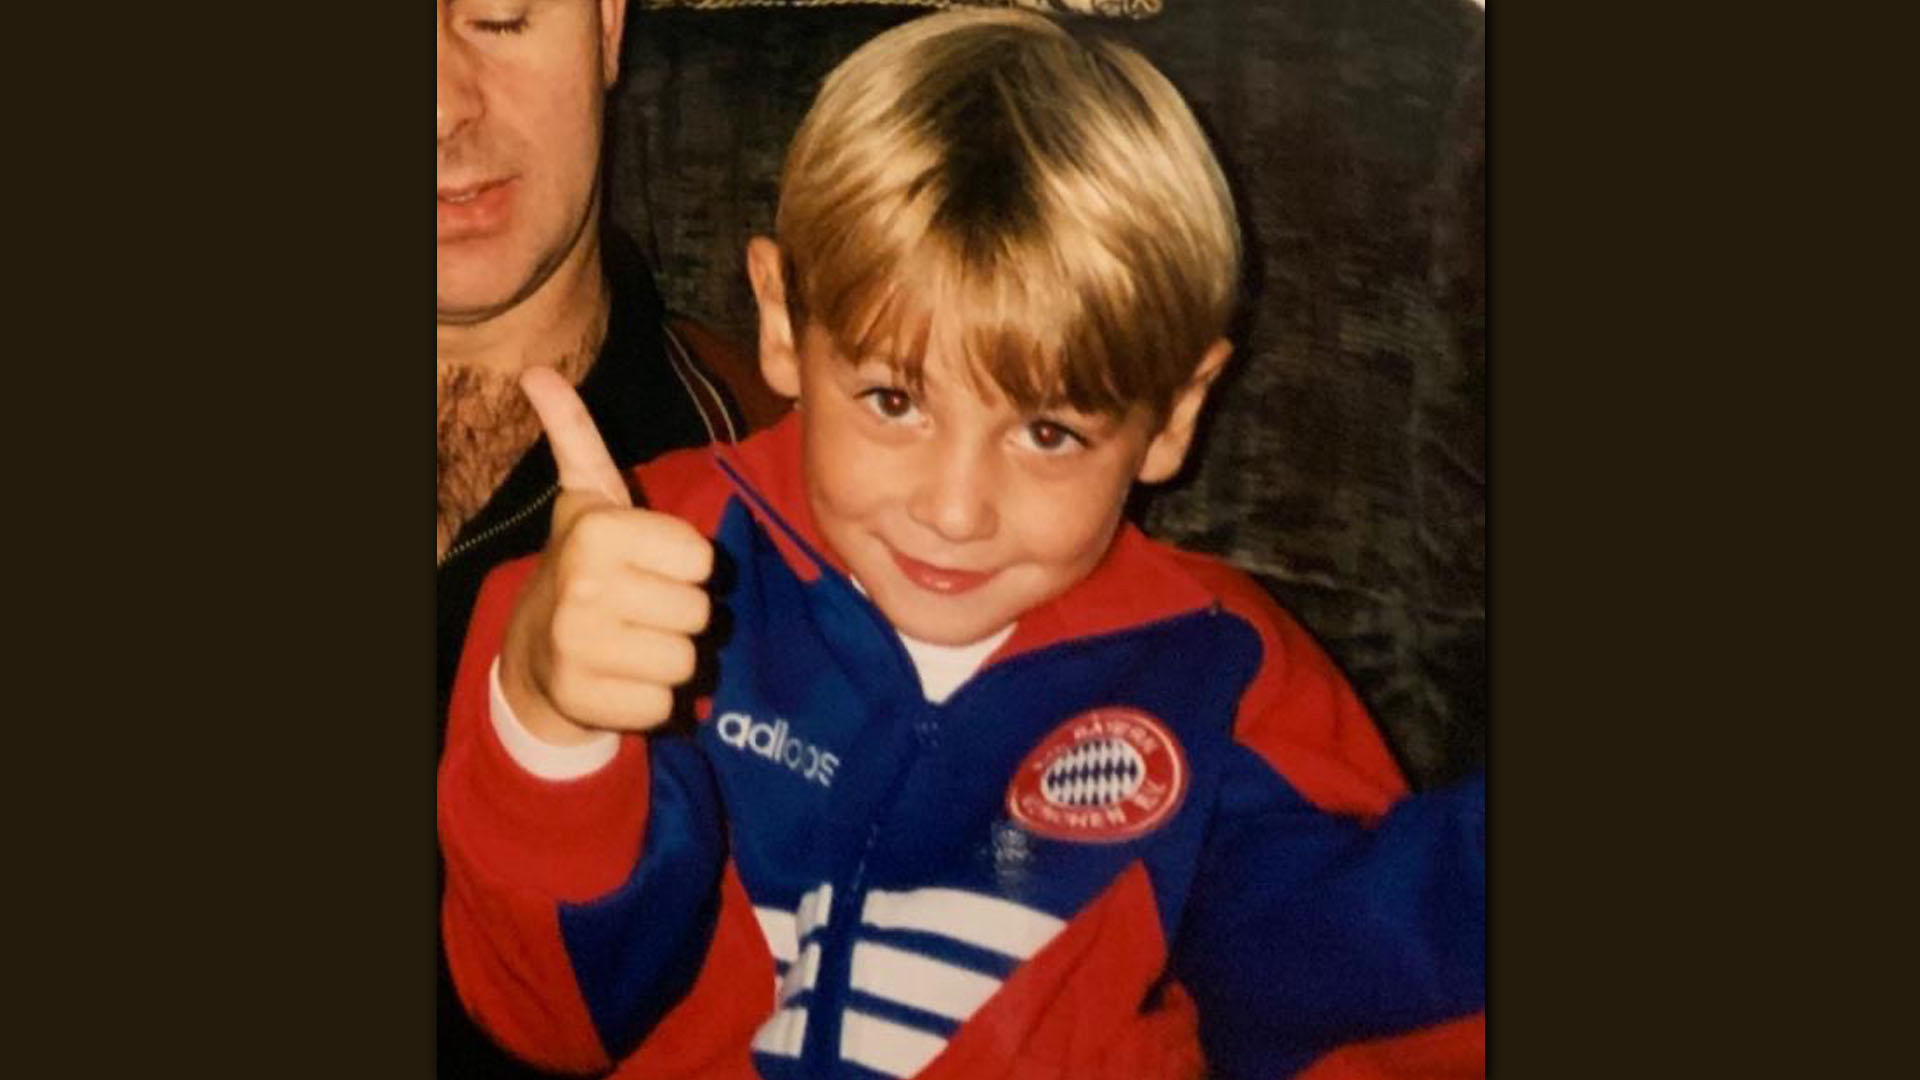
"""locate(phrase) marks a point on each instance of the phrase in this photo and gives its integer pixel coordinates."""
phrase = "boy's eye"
(890, 402)
(1051, 437)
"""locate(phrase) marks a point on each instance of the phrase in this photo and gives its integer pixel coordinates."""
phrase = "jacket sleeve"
(1337, 923)
(577, 913)
(1314, 931)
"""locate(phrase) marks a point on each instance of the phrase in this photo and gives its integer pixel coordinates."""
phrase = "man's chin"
(466, 302)
(474, 283)
(466, 314)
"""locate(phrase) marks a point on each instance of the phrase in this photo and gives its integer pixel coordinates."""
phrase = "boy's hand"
(604, 630)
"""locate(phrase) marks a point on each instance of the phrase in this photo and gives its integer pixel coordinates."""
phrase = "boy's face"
(955, 510)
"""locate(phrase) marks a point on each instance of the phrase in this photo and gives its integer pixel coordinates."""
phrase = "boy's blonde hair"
(1053, 200)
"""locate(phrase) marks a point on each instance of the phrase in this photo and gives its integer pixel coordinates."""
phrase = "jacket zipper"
(497, 528)
(822, 1054)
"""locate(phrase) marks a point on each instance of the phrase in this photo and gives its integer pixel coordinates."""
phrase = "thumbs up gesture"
(604, 630)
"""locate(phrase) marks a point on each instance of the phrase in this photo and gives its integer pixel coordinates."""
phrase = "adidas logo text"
(772, 742)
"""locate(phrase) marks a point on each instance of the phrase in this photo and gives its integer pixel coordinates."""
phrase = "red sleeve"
(517, 845)
(1299, 714)
(1303, 718)
(709, 1034)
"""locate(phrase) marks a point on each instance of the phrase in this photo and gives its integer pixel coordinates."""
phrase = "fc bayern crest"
(1104, 776)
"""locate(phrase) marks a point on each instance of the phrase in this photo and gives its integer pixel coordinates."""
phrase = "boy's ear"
(1168, 450)
(779, 358)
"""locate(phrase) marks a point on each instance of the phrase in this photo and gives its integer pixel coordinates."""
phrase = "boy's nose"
(955, 497)
(457, 98)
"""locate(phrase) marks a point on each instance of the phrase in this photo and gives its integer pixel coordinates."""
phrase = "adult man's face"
(519, 115)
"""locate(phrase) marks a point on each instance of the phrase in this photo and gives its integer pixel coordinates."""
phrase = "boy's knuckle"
(567, 695)
(699, 610)
(560, 629)
(590, 527)
(680, 660)
(580, 590)
(700, 559)
(568, 563)
(654, 705)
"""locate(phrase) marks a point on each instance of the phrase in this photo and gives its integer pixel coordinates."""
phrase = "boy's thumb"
(585, 466)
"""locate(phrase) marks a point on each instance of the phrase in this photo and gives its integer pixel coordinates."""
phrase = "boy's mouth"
(939, 579)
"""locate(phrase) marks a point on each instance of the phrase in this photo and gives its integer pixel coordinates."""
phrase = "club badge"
(1106, 775)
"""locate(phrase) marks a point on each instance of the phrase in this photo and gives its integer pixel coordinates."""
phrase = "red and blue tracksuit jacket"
(1155, 826)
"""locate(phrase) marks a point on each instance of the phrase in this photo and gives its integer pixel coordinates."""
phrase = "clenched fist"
(604, 630)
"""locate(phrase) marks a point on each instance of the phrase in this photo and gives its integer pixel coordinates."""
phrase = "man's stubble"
(482, 426)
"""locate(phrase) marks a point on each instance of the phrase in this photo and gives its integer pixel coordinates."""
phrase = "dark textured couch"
(1344, 460)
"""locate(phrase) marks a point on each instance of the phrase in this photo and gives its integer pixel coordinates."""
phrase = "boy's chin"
(948, 632)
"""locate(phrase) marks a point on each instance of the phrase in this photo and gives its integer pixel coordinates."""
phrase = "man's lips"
(939, 579)
(464, 212)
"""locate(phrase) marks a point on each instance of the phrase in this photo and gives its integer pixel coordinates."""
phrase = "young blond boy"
(983, 782)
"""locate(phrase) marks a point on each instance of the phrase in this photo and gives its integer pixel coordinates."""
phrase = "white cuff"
(534, 754)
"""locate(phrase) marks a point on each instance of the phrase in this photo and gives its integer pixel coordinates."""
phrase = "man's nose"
(955, 497)
(457, 97)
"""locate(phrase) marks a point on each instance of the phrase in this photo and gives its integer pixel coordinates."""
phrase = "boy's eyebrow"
(1099, 420)
(874, 368)
(882, 361)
